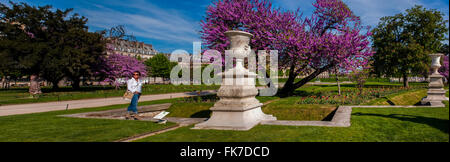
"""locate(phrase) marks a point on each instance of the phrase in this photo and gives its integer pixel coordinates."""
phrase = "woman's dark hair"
(137, 72)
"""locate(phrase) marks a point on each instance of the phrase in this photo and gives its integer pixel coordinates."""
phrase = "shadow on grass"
(390, 102)
(441, 124)
(202, 114)
(420, 103)
(330, 116)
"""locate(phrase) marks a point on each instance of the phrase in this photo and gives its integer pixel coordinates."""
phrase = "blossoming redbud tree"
(117, 66)
(331, 38)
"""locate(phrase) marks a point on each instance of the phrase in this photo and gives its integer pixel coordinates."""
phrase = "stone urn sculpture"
(35, 88)
(436, 92)
(435, 62)
(237, 109)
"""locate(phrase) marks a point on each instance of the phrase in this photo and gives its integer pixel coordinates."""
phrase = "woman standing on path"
(134, 85)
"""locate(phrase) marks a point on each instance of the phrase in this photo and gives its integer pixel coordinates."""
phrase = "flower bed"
(199, 99)
(353, 96)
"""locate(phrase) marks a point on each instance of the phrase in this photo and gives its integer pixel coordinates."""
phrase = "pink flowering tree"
(331, 38)
(116, 66)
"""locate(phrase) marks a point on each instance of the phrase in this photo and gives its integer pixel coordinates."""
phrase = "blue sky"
(174, 24)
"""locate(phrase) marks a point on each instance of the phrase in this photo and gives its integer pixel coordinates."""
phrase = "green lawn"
(403, 98)
(190, 110)
(48, 127)
(21, 95)
(299, 111)
(387, 124)
(289, 108)
(368, 125)
(319, 90)
(285, 109)
(199, 109)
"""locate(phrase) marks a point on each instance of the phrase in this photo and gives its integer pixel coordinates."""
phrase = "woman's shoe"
(127, 117)
(137, 117)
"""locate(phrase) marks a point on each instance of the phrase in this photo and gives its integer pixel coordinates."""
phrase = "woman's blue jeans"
(133, 104)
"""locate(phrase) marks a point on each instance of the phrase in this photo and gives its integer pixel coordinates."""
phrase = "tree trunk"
(289, 88)
(338, 84)
(6, 82)
(405, 81)
(76, 83)
(271, 89)
(269, 81)
(286, 90)
(55, 85)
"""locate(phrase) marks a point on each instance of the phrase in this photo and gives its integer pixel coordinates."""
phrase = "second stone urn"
(237, 109)
(436, 92)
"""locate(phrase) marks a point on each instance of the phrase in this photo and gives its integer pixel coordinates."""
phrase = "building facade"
(132, 48)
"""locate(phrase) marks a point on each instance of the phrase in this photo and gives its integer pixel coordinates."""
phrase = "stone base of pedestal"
(235, 120)
(237, 109)
(434, 98)
(436, 92)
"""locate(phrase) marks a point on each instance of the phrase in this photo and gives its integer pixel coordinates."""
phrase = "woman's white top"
(134, 86)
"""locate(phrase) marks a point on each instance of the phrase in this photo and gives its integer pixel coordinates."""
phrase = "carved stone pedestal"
(237, 109)
(436, 92)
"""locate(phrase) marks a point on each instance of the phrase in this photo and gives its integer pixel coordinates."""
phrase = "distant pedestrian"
(134, 85)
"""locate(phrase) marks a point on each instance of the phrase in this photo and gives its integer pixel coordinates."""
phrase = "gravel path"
(87, 103)
(90, 103)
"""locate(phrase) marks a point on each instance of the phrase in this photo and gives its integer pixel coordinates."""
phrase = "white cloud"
(146, 20)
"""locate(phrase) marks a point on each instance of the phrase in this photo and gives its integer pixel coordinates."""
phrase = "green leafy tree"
(402, 42)
(444, 49)
(74, 51)
(49, 43)
(360, 77)
(23, 42)
(139, 58)
(159, 66)
(81, 54)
